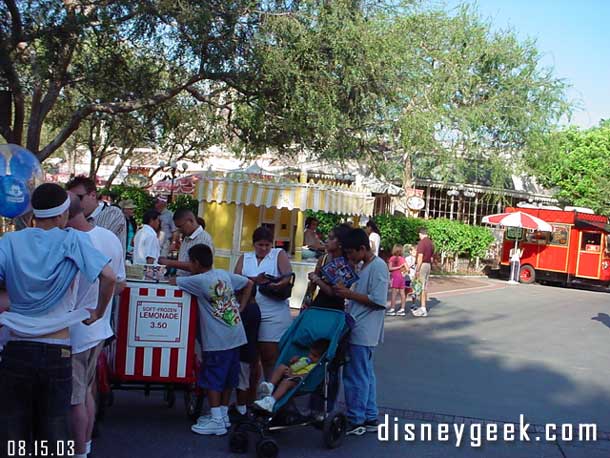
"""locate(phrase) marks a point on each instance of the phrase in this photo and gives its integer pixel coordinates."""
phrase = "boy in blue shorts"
(222, 333)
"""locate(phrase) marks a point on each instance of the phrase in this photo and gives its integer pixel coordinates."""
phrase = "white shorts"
(244, 376)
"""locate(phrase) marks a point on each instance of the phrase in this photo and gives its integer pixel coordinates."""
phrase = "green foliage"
(142, 199)
(184, 201)
(405, 89)
(451, 237)
(577, 164)
(401, 85)
(398, 230)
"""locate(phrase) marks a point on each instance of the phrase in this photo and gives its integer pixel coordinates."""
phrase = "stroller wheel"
(267, 448)
(334, 429)
(238, 442)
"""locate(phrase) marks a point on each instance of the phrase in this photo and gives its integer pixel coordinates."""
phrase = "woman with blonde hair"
(398, 267)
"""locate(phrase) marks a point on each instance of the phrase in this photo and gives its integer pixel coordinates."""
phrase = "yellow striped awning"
(286, 195)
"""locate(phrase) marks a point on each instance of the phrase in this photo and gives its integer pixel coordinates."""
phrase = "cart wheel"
(170, 397)
(238, 442)
(267, 448)
(334, 429)
(193, 403)
(527, 274)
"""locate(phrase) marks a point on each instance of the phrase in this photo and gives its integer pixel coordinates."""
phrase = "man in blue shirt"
(39, 267)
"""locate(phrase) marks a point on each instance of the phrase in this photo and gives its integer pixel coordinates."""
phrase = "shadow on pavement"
(603, 318)
(438, 365)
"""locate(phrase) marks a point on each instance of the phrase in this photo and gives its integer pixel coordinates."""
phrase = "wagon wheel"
(170, 397)
(193, 402)
(527, 274)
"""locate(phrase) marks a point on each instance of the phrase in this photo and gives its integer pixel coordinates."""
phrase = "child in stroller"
(320, 334)
(287, 377)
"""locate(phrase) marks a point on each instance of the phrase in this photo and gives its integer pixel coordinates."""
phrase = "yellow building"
(234, 204)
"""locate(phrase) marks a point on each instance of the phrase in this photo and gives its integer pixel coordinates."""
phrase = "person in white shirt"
(146, 244)
(98, 212)
(374, 238)
(88, 341)
(194, 234)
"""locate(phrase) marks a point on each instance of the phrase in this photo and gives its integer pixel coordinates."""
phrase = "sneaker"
(371, 426)
(401, 313)
(266, 403)
(391, 313)
(355, 430)
(205, 418)
(414, 307)
(420, 312)
(210, 426)
(265, 389)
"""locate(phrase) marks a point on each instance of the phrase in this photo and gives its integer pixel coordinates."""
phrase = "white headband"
(52, 212)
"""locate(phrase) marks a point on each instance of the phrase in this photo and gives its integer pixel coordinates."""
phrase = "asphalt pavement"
(487, 353)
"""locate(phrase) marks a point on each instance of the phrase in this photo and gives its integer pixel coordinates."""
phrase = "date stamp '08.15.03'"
(40, 448)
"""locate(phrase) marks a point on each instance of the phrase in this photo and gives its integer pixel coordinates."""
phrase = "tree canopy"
(576, 163)
(397, 84)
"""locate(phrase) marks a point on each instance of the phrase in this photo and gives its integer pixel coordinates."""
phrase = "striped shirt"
(113, 219)
(197, 237)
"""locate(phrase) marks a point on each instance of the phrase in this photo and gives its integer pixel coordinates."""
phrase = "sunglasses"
(80, 196)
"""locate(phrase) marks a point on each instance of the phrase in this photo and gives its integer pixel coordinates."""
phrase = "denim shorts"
(220, 370)
(35, 390)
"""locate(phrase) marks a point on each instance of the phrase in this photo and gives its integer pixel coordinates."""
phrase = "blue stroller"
(311, 325)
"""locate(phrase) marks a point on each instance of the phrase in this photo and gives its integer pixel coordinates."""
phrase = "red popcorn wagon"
(155, 347)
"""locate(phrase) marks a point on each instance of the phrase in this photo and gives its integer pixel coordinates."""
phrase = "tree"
(576, 163)
(391, 83)
(115, 57)
(402, 88)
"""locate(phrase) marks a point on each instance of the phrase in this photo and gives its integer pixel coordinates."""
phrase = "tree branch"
(16, 26)
(112, 108)
(18, 100)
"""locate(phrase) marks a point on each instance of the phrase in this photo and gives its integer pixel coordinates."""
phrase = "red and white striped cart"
(156, 329)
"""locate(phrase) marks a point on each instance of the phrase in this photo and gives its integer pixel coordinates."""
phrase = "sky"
(573, 37)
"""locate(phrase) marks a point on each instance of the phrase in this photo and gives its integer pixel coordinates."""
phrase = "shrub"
(141, 198)
(453, 238)
(184, 201)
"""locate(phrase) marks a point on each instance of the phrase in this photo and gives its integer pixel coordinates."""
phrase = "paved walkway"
(487, 351)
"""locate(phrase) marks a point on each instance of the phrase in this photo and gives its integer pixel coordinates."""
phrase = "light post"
(173, 167)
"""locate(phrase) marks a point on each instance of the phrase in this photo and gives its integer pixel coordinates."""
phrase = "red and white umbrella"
(518, 219)
(522, 220)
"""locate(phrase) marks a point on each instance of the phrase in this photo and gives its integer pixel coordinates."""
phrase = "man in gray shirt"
(367, 302)
(194, 234)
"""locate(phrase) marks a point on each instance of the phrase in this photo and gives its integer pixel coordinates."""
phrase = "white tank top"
(269, 265)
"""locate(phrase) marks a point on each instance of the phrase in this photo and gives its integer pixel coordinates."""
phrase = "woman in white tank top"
(275, 314)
